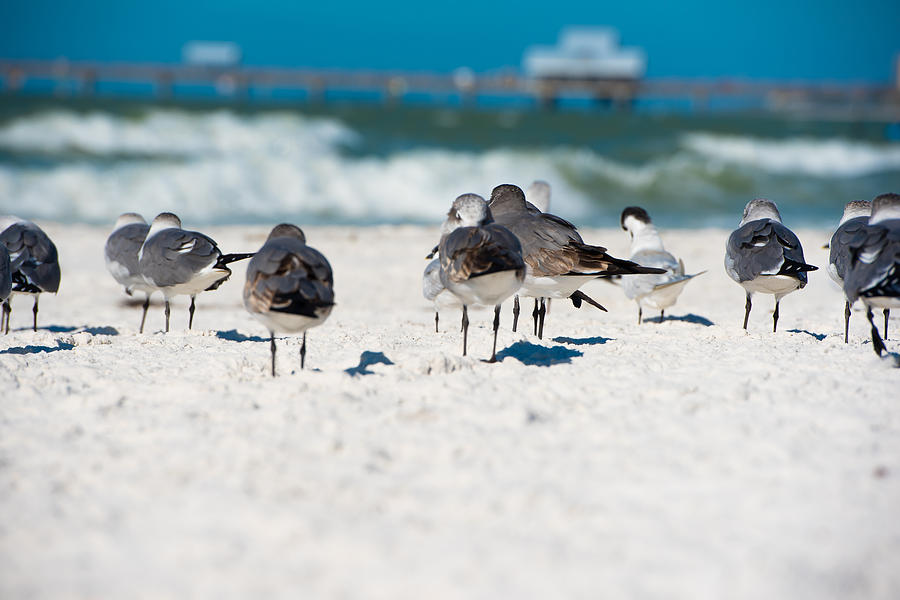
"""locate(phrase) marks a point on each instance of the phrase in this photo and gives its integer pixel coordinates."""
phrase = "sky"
(770, 39)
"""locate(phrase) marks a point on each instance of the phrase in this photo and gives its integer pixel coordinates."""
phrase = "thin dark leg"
(144, 316)
(640, 314)
(543, 313)
(775, 317)
(515, 313)
(887, 315)
(496, 327)
(167, 315)
(436, 318)
(877, 343)
(747, 311)
(272, 347)
(846, 321)
(536, 315)
(662, 316)
(465, 327)
(7, 311)
(34, 309)
(191, 313)
(303, 352)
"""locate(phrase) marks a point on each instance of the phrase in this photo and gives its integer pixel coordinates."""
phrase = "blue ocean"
(86, 161)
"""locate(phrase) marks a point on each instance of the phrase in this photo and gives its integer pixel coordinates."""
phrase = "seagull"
(34, 262)
(765, 256)
(434, 290)
(654, 291)
(873, 273)
(558, 261)
(855, 218)
(122, 248)
(481, 261)
(538, 195)
(290, 286)
(178, 262)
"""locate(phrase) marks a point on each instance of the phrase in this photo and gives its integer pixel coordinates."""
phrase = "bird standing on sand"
(434, 290)
(762, 255)
(653, 291)
(34, 263)
(873, 274)
(481, 261)
(289, 287)
(558, 260)
(121, 252)
(178, 262)
(855, 218)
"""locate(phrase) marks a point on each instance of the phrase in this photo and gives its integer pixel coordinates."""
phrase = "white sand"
(611, 460)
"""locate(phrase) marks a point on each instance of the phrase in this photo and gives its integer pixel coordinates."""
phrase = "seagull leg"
(496, 327)
(535, 314)
(887, 315)
(168, 311)
(775, 317)
(436, 317)
(465, 327)
(144, 316)
(515, 313)
(662, 316)
(877, 343)
(272, 347)
(846, 321)
(191, 313)
(7, 311)
(542, 314)
(303, 352)
(640, 314)
(747, 311)
(34, 309)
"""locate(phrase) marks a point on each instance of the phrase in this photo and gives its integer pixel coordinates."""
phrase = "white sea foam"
(805, 156)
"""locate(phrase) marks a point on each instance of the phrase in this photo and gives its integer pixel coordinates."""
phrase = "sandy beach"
(682, 459)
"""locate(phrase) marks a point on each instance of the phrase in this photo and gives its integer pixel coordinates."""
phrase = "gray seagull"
(289, 287)
(481, 261)
(763, 255)
(558, 261)
(122, 248)
(873, 274)
(34, 262)
(653, 291)
(5, 274)
(855, 218)
(178, 262)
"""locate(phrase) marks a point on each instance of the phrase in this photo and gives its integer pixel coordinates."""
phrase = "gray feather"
(32, 254)
(174, 256)
(762, 247)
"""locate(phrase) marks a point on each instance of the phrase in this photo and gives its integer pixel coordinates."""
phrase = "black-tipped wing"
(288, 276)
(874, 267)
(33, 254)
(765, 247)
(470, 252)
(174, 256)
(839, 250)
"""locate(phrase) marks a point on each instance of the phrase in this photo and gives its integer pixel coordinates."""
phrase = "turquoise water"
(88, 161)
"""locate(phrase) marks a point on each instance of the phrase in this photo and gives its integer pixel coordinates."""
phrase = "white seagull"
(653, 291)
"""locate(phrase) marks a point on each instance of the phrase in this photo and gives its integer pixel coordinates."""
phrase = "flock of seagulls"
(489, 251)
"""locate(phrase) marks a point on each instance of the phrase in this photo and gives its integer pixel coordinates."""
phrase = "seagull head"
(287, 230)
(885, 207)
(856, 208)
(468, 210)
(129, 219)
(508, 197)
(634, 219)
(760, 208)
(539, 194)
(162, 221)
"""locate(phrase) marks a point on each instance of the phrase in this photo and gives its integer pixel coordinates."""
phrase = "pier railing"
(864, 100)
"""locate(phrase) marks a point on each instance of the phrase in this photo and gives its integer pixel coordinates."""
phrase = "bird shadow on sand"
(540, 356)
(232, 335)
(819, 336)
(84, 329)
(38, 349)
(590, 341)
(367, 359)
(689, 318)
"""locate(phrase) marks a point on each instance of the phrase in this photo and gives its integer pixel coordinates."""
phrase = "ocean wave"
(804, 156)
